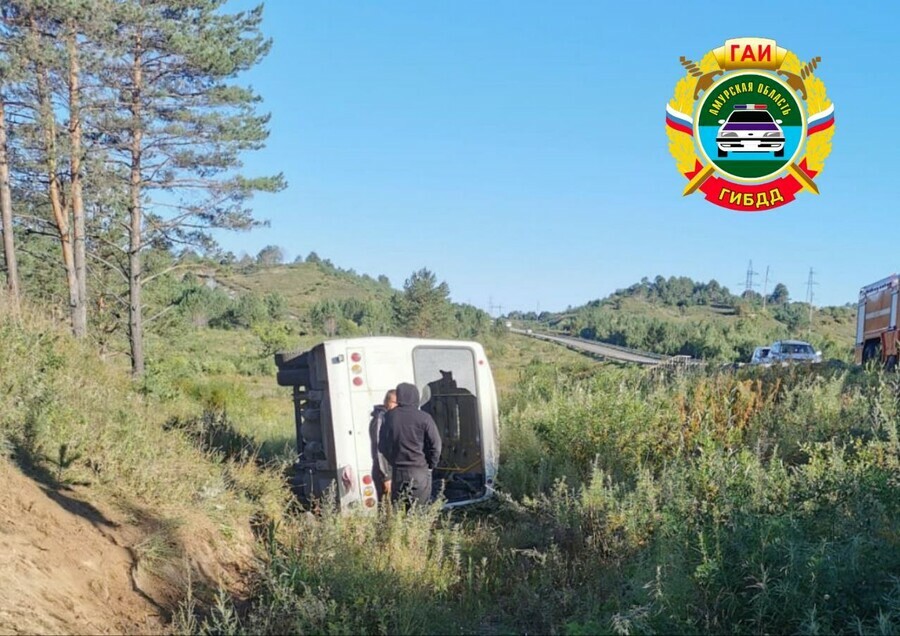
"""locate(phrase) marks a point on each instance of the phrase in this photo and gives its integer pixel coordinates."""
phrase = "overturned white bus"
(336, 385)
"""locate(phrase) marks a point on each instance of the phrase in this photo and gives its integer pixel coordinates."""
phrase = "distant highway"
(611, 352)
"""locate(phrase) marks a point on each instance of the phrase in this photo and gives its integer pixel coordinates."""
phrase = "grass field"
(224, 371)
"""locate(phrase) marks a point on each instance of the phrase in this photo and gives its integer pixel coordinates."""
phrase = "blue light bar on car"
(750, 107)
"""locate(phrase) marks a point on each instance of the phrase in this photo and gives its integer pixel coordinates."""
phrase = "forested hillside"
(704, 320)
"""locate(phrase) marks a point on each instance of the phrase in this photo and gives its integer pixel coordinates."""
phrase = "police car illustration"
(750, 128)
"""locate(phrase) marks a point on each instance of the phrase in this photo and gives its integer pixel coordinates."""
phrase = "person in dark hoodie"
(412, 445)
(381, 469)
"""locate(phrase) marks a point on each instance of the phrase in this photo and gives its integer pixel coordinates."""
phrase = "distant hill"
(318, 298)
(680, 316)
(302, 285)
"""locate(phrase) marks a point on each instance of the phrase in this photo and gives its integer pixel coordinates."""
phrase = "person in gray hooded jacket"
(381, 469)
(412, 445)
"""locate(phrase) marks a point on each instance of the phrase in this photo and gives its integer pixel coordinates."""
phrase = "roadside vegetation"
(137, 374)
(759, 501)
(193, 455)
(630, 501)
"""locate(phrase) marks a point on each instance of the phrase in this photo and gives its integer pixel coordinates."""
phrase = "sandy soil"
(66, 566)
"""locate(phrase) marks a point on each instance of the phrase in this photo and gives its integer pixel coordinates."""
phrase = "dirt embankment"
(68, 566)
(65, 566)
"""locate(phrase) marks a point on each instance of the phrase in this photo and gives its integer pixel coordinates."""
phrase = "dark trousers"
(378, 481)
(411, 484)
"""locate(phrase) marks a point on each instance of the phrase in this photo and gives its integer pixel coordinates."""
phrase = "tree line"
(422, 308)
(682, 291)
(121, 135)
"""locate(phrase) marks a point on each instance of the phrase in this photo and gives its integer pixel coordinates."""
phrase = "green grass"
(511, 355)
(837, 323)
(710, 332)
(227, 371)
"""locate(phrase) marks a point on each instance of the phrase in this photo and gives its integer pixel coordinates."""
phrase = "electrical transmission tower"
(749, 283)
(492, 307)
(810, 296)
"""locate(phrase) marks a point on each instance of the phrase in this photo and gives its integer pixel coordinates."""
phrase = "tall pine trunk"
(135, 308)
(9, 251)
(79, 313)
(60, 214)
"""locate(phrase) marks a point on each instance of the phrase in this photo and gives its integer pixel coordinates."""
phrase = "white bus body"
(336, 387)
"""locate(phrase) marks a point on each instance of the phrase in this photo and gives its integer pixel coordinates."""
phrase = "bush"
(739, 503)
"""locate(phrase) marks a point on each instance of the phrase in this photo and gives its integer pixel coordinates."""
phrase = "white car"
(785, 351)
(750, 128)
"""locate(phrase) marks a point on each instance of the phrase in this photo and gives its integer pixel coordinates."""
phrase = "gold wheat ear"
(691, 67)
(808, 69)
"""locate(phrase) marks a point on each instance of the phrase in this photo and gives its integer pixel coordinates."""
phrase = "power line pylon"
(810, 296)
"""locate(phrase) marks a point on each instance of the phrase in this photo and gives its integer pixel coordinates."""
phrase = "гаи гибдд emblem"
(750, 125)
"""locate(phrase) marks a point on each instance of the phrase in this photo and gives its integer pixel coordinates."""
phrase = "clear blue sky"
(518, 149)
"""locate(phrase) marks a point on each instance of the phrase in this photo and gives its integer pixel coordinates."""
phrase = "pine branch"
(165, 271)
(116, 268)
(160, 314)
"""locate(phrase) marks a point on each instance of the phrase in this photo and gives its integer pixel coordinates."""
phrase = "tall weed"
(741, 502)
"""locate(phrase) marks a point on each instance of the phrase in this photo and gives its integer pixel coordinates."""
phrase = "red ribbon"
(750, 197)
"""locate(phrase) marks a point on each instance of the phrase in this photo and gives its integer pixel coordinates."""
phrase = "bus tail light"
(356, 369)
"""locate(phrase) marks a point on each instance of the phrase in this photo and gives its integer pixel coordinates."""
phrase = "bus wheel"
(872, 351)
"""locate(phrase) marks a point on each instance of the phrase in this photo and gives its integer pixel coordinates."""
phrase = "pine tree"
(35, 25)
(180, 128)
(6, 212)
(423, 309)
(44, 40)
(9, 70)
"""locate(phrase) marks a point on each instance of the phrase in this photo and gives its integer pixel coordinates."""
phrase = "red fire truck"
(876, 322)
